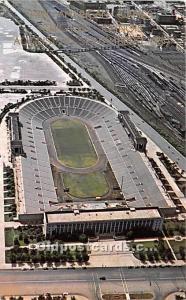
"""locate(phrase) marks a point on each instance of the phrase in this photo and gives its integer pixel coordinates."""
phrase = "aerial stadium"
(81, 153)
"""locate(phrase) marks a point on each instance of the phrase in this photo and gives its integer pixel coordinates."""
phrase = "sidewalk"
(2, 236)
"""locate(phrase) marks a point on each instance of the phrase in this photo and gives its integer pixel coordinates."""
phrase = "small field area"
(88, 185)
(9, 237)
(23, 235)
(152, 251)
(73, 143)
(179, 248)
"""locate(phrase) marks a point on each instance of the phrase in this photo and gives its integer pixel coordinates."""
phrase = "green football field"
(73, 144)
(88, 185)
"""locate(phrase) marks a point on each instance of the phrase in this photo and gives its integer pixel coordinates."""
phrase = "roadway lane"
(86, 275)
(159, 280)
(166, 147)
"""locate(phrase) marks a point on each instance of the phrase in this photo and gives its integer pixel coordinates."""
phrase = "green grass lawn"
(11, 234)
(174, 227)
(145, 248)
(9, 237)
(149, 244)
(73, 144)
(9, 201)
(8, 217)
(177, 244)
(88, 185)
(8, 208)
(145, 244)
(176, 247)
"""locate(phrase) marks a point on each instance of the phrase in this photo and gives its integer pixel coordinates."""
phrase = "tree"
(169, 254)
(63, 257)
(26, 240)
(48, 296)
(129, 234)
(48, 256)
(156, 255)
(41, 297)
(178, 297)
(182, 252)
(182, 230)
(16, 242)
(25, 257)
(85, 257)
(70, 256)
(79, 256)
(83, 238)
(161, 248)
(34, 259)
(150, 255)
(41, 257)
(20, 237)
(55, 256)
(13, 258)
(33, 252)
(142, 256)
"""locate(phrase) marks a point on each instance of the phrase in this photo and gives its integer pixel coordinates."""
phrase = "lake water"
(15, 63)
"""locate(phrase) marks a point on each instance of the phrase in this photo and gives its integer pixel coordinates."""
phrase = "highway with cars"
(92, 282)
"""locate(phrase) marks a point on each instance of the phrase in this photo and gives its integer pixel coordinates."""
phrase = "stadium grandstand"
(34, 182)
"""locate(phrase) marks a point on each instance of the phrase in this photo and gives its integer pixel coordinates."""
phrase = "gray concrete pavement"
(160, 281)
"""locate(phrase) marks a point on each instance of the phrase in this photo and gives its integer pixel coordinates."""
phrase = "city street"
(160, 281)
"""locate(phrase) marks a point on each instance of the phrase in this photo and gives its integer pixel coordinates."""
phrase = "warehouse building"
(166, 19)
(85, 5)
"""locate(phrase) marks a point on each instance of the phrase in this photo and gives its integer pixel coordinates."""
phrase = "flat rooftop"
(106, 215)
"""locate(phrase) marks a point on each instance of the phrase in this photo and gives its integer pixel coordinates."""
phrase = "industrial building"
(85, 5)
(166, 19)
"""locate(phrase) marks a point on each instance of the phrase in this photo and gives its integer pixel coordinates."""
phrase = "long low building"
(98, 222)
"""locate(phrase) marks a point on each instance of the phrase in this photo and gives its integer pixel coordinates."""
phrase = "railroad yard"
(148, 80)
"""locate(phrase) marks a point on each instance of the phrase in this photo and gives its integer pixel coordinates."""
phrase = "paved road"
(159, 280)
(167, 148)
